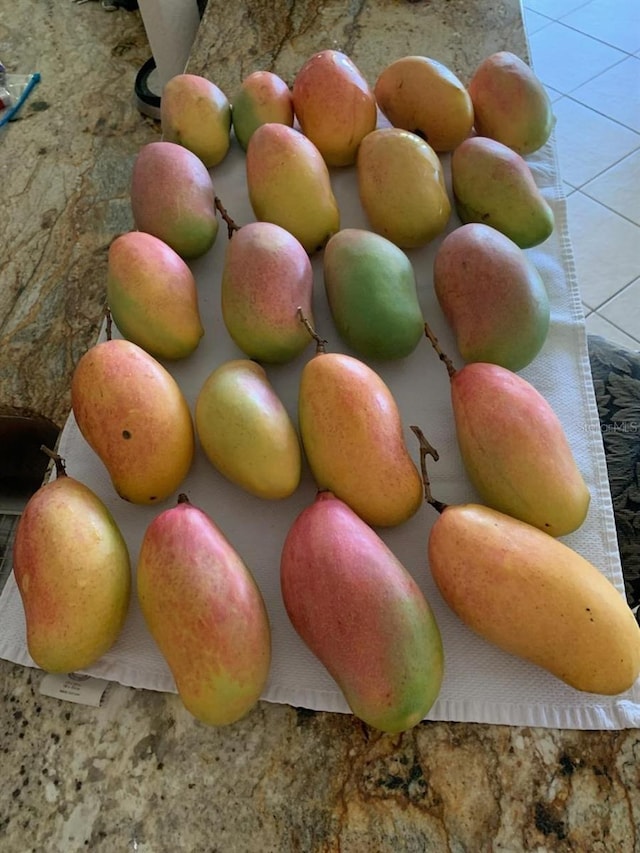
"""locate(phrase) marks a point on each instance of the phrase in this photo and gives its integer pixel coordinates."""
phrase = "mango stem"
(427, 449)
(441, 355)
(320, 342)
(183, 499)
(58, 461)
(232, 225)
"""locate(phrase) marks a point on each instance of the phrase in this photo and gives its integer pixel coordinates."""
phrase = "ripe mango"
(72, 569)
(510, 103)
(133, 414)
(172, 198)
(246, 432)
(492, 296)
(362, 614)
(266, 277)
(195, 113)
(289, 185)
(371, 289)
(262, 97)
(401, 187)
(515, 450)
(206, 614)
(353, 438)
(334, 106)
(494, 185)
(152, 296)
(424, 96)
(534, 597)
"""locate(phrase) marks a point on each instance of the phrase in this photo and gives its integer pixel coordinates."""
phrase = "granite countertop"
(138, 773)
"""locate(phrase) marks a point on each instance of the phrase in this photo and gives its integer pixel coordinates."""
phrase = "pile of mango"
(498, 564)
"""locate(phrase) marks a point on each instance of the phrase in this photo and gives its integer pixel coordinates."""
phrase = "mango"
(196, 113)
(362, 614)
(334, 106)
(534, 597)
(266, 277)
(510, 103)
(515, 450)
(132, 413)
(401, 187)
(371, 290)
(424, 96)
(353, 438)
(246, 432)
(262, 97)
(72, 570)
(494, 185)
(206, 614)
(172, 197)
(492, 295)
(289, 185)
(152, 296)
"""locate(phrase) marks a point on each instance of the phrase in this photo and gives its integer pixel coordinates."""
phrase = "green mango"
(362, 614)
(371, 289)
(494, 185)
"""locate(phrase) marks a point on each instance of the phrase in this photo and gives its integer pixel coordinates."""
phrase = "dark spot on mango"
(126, 434)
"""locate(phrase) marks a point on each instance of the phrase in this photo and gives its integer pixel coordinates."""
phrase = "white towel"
(481, 684)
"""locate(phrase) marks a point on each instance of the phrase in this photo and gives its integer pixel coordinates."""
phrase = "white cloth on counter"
(481, 683)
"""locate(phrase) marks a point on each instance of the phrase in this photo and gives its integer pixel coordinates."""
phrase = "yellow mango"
(535, 597)
(196, 113)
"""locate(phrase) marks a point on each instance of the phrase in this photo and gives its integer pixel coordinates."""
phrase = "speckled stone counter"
(139, 774)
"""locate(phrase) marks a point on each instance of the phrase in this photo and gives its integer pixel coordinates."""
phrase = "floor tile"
(615, 92)
(619, 28)
(597, 325)
(565, 59)
(553, 8)
(606, 249)
(588, 143)
(619, 187)
(534, 22)
(623, 310)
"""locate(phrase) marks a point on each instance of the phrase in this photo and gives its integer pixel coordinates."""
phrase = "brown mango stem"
(58, 461)
(109, 320)
(441, 355)
(183, 499)
(320, 342)
(427, 449)
(232, 225)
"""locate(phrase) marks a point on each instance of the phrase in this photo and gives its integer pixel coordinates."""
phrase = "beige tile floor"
(588, 55)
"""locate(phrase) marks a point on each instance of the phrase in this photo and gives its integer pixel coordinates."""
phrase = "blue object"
(34, 79)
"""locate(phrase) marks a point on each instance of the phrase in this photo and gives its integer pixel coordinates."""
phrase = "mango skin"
(362, 614)
(72, 569)
(494, 185)
(515, 450)
(510, 103)
(492, 296)
(246, 432)
(133, 414)
(353, 439)
(334, 106)
(172, 197)
(196, 113)
(266, 277)
(401, 187)
(371, 289)
(289, 185)
(206, 614)
(262, 97)
(534, 597)
(424, 96)
(152, 296)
